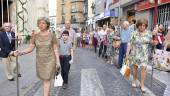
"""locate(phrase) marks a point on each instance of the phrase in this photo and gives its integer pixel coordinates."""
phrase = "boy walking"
(66, 56)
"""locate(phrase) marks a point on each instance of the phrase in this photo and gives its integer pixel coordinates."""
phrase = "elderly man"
(125, 36)
(7, 44)
(72, 34)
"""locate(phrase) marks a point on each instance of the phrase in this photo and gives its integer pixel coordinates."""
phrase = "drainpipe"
(8, 10)
(2, 12)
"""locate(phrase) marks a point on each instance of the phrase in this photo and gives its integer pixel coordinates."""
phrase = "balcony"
(76, 11)
(73, 1)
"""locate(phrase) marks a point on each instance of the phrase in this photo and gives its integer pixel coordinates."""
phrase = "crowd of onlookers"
(133, 42)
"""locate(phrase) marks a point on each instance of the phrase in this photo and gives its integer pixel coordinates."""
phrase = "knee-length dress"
(45, 56)
(140, 47)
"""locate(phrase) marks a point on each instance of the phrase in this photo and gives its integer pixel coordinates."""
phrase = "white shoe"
(134, 84)
(137, 83)
(143, 89)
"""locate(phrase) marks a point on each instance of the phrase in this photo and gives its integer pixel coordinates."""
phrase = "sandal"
(143, 89)
(134, 84)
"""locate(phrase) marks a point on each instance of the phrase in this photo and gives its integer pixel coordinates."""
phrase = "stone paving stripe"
(148, 91)
(90, 83)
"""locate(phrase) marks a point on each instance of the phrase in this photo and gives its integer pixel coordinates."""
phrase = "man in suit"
(7, 51)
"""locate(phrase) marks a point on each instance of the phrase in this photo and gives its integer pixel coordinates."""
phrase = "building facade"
(105, 14)
(114, 12)
(90, 24)
(5, 11)
(70, 10)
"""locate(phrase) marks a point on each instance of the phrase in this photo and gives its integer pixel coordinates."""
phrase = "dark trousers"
(102, 49)
(65, 67)
(95, 44)
(78, 41)
(122, 52)
(159, 46)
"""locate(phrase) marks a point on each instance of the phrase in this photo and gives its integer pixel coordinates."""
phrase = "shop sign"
(115, 1)
(147, 5)
(109, 13)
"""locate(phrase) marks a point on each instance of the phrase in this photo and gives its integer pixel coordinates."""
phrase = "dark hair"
(142, 21)
(113, 27)
(134, 21)
(65, 32)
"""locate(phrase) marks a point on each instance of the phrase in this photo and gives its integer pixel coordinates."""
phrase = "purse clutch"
(125, 70)
(58, 80)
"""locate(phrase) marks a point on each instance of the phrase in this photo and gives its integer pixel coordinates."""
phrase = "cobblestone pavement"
(89, 76)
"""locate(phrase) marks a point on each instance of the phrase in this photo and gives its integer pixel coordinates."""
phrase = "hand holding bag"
(125, 70)
(58, 80)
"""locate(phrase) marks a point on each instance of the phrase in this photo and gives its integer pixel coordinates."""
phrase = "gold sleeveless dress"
(45, 56)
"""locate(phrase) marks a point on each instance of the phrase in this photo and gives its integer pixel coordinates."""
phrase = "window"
(63, 20)
(73, 7)
(73, 19)
(63, 10)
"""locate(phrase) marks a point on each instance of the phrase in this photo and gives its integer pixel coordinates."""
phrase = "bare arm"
(28, 50)
(75, 41)
(55, 47)
(72, 54)
(128, 49)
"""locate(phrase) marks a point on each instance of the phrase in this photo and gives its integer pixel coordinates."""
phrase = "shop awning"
(106, 14)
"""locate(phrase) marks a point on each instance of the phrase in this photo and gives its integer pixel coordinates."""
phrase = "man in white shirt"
(102, 33)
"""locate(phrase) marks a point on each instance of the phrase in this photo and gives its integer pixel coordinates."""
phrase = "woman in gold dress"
(47, 57)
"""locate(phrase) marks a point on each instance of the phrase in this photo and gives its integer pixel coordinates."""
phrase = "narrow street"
(89, 76)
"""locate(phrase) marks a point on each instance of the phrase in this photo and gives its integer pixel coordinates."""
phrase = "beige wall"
(35, 8)
(67, 8)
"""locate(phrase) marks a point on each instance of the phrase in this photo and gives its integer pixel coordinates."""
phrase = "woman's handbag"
(116, 43)
(58, 80)
(125, 70)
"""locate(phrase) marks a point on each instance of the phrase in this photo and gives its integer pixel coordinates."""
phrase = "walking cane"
(17, 65)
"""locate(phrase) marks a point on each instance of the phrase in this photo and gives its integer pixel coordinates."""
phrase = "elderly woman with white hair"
(125, 35)
(47, 56)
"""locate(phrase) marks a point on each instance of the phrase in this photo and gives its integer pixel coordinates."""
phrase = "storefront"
(129, 12)
(106, 17)
(163, 9)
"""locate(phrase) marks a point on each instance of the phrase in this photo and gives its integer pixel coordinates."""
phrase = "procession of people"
(56, 54)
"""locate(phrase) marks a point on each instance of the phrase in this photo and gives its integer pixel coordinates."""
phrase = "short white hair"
(7, 23)
(126, 23)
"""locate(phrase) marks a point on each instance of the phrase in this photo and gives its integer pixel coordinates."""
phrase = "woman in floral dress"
(139, 46)
(110, 49)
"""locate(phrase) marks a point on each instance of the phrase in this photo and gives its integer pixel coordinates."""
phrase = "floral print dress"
(110, 49)
(140, 45)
